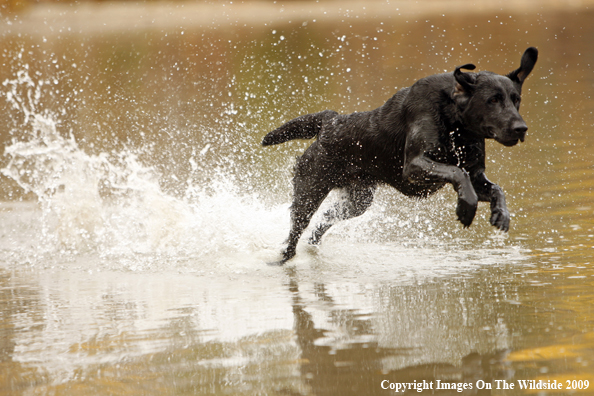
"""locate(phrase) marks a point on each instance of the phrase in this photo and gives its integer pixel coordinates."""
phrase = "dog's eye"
(494, 99)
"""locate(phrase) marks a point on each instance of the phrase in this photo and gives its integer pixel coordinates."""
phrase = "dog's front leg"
(422, 170)
(491, 192)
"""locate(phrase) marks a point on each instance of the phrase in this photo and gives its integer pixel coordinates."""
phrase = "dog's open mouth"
(508, 139)
(490, 133)
(508, 142)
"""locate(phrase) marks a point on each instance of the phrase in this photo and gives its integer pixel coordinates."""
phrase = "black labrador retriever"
(425, 136)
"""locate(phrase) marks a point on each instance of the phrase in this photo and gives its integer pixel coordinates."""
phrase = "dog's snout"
(519, 129)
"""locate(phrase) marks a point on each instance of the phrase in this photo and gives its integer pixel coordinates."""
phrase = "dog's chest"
(458, 150)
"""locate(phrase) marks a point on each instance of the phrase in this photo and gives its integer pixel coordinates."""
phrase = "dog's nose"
(519, 129)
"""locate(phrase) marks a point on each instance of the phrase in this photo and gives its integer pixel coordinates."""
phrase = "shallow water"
(138, 209)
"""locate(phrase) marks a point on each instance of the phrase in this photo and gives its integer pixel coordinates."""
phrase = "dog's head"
(488, 103)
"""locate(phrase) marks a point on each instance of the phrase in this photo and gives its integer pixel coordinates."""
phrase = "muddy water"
(138, 209)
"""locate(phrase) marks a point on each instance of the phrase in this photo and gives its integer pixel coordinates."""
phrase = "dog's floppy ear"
(464, 82)
(527, 64)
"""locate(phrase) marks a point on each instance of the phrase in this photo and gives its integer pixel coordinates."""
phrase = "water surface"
(138, 209)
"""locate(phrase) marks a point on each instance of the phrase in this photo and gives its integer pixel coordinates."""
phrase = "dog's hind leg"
(355, 201)
(311, 185)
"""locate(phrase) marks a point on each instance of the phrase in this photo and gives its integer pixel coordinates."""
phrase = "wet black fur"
(424, 137)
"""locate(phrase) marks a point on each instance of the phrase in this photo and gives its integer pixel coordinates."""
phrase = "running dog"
(424, 137)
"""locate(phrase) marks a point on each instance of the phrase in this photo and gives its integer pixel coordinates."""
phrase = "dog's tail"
(304, 127)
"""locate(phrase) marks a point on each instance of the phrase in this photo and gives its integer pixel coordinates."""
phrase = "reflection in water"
(355, 363)
(121, 326)
(138, 211)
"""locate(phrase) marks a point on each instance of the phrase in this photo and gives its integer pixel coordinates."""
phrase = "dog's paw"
(315, 239)
(500, 219)
(288, 254)
(466, 209)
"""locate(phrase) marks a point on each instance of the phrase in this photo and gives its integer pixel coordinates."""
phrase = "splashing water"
(112, 204)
